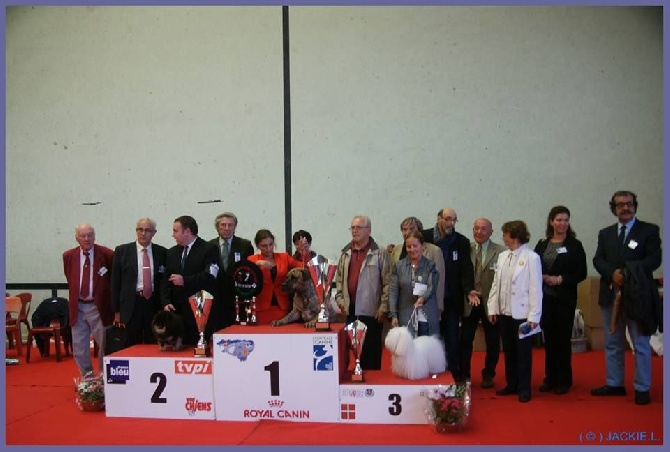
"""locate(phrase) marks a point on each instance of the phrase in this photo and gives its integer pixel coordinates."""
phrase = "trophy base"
(357, 378)
(201, 352)
(322, 326)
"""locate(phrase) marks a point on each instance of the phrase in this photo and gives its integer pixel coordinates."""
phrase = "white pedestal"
(288, 373)
(143, 382)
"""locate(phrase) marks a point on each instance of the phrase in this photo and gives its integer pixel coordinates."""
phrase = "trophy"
(322, 273)
(249, 309)
(201, 303)
(356, 332)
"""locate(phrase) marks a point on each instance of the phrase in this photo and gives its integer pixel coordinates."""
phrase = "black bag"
(116, 339)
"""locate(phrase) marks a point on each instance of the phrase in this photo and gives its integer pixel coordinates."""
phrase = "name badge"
(419, 289)
(454, 256)
(562, 250)
(632, 244)
(237, 257)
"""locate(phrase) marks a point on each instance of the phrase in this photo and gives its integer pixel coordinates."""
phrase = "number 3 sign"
(287, 373)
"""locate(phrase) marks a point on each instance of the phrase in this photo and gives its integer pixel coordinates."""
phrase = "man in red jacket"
(87, 269)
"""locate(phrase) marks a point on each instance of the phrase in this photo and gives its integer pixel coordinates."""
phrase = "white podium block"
(143, 382)
(387, 399)
(287, 373)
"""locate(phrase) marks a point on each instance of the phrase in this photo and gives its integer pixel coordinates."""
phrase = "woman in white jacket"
(516, 298)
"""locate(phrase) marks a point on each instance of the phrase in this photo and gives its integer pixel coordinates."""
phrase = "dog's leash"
(414, 321)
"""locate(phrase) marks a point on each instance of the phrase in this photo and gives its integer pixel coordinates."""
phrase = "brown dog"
(306, 304)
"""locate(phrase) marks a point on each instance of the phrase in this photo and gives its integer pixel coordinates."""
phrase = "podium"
(289, 373)
(143, 382)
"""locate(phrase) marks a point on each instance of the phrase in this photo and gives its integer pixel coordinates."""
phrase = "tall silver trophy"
(356, 332)
(322, 272)
(201, 304)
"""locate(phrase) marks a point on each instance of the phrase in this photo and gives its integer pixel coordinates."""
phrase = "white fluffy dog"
(415, 358)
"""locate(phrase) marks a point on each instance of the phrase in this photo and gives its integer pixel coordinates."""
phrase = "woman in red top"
(272, 303)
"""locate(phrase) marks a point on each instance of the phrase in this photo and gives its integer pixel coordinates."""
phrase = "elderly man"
(87, 269)
(459, 281)
(629, 248)
(484, 255)
(232, 249)
(362, 280)
(138, 269)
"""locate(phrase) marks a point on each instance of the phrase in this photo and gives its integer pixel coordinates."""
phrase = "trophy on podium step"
(322, 273)
(248, 308)
(248, 283)
(201, 304)
(356, 332)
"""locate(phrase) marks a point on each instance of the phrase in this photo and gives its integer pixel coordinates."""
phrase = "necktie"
(183, 257)
(622, 235)
(225, 252)
(146, 274)
(85, 277)
(478, 268)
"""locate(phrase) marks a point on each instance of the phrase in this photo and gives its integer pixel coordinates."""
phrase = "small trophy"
(252, 318)
(322, 273)
(356, 332)
(201, 304)
(237, 310)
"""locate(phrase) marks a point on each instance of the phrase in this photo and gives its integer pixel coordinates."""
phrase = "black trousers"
(450, 330)
(518, 354)
(139, 324)
(491, 335)
(371, 353)
(557, 320)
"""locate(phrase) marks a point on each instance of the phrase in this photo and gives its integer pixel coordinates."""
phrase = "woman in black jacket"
(563, 267)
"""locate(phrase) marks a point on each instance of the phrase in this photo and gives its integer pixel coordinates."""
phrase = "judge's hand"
(473, 298)
(169, 307)
(492, 319)
(617, 279)
(177, 280)
(390, 247)
(394, 322)
(380, 316)
(265, 264)
(117, 320)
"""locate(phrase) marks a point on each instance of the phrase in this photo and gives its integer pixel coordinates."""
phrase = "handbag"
(116, 338)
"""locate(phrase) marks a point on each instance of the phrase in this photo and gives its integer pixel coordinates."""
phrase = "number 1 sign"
(276, 373)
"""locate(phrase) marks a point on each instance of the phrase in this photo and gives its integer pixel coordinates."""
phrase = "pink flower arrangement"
(448, 406)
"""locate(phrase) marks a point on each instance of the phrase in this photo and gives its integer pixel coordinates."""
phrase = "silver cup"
(356, 332)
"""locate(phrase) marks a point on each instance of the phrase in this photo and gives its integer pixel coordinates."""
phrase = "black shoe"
(560, 390)
(546, 387)
(609, 391)
(642, 398)
(506, 391)
(487, 383)
(524, 397)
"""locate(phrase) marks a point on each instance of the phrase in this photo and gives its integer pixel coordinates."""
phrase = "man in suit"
(629, 239)
(87, 269)
(138, 269)
(484, 255)
(191, 266)
(459, 281)
(231, 249)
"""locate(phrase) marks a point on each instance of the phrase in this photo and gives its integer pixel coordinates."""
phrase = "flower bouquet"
(448, 407)
(90, 392)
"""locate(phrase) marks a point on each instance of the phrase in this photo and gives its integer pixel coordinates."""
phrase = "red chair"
(59, 334)
(12, 325)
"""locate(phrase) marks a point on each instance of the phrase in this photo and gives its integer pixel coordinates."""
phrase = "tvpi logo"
(118, 371)
(192, 367)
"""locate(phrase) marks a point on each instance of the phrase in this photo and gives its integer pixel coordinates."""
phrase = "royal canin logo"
(276, 403)
(194, 405)
(193, 367)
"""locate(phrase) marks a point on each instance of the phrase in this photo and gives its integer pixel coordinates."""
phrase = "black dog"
(168, 329)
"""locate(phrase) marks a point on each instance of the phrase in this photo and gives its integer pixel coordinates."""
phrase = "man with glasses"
(459, 281)
(362, 280)
(621, 247)
(137, 272)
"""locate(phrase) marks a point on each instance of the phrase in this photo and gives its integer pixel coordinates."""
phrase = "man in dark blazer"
(191, 266)
(484, 256)
(135, 299)
(459, 281)
(87, 269)
(231, 249)
(627, 240)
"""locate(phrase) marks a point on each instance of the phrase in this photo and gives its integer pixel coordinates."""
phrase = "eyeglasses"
(619, 205)
(144, 230)
(358, 228)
